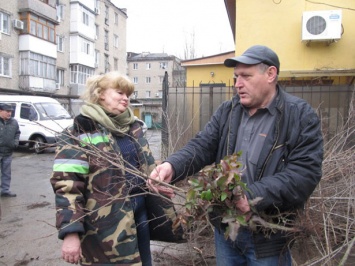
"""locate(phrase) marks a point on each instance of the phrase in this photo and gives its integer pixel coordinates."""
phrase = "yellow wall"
(202, 74)
(278, 24)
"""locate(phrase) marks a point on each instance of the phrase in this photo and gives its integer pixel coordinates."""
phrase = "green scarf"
(116, 124)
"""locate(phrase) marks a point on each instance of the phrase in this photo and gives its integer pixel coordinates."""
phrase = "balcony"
(39, 8)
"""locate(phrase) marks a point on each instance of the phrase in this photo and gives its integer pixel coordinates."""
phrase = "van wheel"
(39, 145)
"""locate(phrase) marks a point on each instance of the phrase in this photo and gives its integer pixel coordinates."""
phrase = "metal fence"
(187, 110)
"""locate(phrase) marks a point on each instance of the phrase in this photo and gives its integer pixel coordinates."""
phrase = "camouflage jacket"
(91, 192)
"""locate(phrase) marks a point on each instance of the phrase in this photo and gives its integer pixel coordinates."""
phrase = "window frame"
(7, 64)
(60, 43)
(60, 76)
(2, 23)
(80, 73)
(116, 18)
(115, 41)
(37, 65)
(39, 27)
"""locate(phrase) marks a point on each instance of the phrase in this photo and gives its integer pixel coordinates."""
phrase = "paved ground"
(27, 233)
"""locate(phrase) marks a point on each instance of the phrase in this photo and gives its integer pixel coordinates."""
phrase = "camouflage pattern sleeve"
(70, 171)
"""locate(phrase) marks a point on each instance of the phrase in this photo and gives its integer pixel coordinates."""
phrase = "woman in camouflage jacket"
(97, 179)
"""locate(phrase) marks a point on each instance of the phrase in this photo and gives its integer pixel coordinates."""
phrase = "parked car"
(40, 119)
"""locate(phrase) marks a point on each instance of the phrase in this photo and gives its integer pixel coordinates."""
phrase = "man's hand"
(71, 249)
(243, 205)
(162, 173)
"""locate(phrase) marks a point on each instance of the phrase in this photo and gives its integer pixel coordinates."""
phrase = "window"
(38, 65)
(115, 41)
(60, 12)
(39, 27)
(60, 43)
(116, 18)
(115, 64)
(85, 18)
(135, 80)
(161, 79)
(148, 66)
(106, 40)
(60, 77)
(135, 65)
(40, 30)
(4, 23)
(97, 31)
(80, 73)
(107, 63)
(135, 95)
(147, 94)
(147, 80)
(107, 12)
(85, 47)
(97, 58)
(28, 112)
(5, 65)
(97, 4)
(163, 65)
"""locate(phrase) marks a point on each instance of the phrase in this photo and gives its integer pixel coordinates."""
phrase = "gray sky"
(168, 26)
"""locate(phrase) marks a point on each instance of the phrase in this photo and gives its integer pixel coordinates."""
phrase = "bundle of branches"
(214, 193)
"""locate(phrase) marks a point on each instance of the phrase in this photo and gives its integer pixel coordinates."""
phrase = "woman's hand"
(71, 248)
(162, 173)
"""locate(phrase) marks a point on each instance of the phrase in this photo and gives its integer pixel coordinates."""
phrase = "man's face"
(5, 114)
(255, 85)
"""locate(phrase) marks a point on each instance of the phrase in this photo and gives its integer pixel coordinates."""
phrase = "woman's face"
(115, 101)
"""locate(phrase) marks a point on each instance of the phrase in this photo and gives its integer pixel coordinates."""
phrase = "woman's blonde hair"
(95, 85)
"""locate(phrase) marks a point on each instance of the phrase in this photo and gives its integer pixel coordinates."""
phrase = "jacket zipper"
(271, 151)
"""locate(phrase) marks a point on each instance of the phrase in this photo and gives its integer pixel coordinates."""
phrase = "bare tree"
(189, 51)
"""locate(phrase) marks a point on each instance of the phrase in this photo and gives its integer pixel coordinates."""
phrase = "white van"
(40, 119)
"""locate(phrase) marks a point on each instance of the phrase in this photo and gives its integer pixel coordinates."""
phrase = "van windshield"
(52, 111)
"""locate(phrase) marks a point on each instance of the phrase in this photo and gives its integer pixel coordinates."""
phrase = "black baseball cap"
(255, 55)
(6, 107)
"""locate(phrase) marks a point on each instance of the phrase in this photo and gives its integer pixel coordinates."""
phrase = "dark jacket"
(9, 136)
(289, 166)
(92, 192)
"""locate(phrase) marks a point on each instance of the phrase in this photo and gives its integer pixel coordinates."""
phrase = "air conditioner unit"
(18, 24)
(157, 94)
(59, 19)
(321, 25)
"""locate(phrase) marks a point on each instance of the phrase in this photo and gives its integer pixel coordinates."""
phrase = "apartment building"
(147, 71)
(50, 47)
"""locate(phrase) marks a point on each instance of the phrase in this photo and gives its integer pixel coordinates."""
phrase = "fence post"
(165, 129)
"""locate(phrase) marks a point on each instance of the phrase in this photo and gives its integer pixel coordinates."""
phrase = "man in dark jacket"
(282, 152)
(9, 140)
